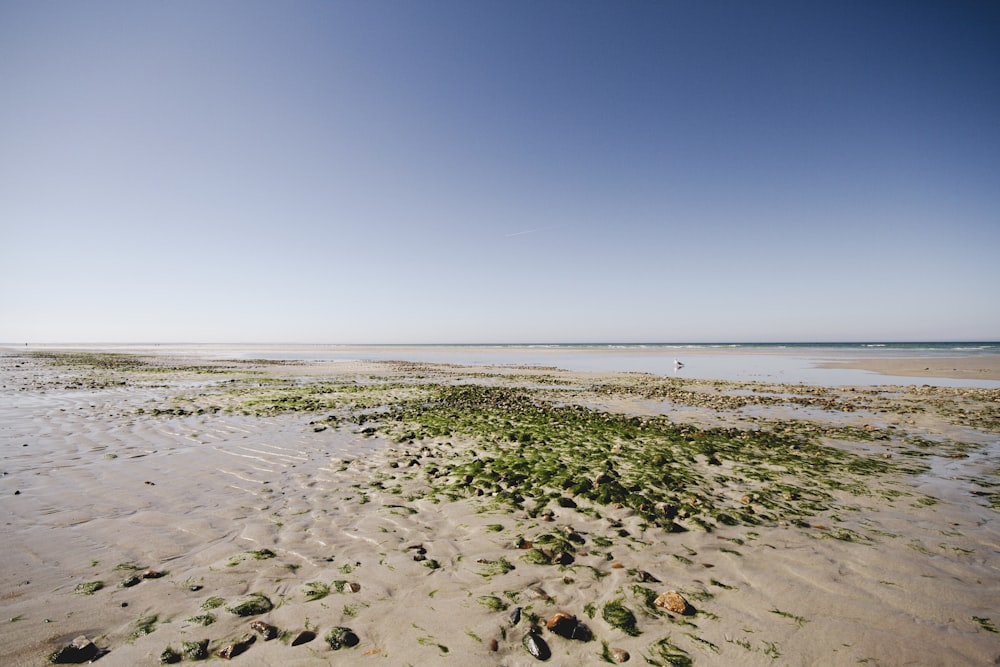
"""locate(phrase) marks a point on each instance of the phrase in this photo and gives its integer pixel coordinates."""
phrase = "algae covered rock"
(252, 605)
(341, 637)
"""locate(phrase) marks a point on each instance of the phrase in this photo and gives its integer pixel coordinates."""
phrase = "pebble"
(304, 637)
(620, 655)
(230, 651)
(536, 646)
(266, 630)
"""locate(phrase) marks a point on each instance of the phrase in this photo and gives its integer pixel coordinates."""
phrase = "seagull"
(678, 364)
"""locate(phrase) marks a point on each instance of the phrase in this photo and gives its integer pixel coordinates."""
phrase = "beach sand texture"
(421, 505)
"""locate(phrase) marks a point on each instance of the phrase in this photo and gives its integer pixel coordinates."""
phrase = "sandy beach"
(394, 513)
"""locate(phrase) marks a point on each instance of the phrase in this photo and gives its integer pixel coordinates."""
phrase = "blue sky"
(559, 170)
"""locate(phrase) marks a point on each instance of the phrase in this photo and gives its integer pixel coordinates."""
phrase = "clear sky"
(499, 171)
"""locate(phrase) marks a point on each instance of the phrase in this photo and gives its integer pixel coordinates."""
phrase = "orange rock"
(674, 602)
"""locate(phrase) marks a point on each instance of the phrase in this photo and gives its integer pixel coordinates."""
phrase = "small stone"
(536, 646)
(557, 619)
(304, 637)
(230, 651)
(265, 630)
(647, 578)
(494, 645)
(620, 655)
(566, 625)
(131, 580)
(562, 558)
(674, 602)
(341, 637)
(151, 574)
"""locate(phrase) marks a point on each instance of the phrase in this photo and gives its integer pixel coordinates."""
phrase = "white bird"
(678, 364)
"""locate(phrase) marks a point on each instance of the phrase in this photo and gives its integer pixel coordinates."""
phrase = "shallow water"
(776, 367)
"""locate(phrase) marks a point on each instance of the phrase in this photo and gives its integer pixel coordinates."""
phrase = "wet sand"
(114, 470)
(981, 367)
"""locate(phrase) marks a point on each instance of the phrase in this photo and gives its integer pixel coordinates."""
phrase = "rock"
(195, 650)
(558, 619)
(647, 578)
(131, 580)
(536, 646)
(304, 637)
(169, 656)
(341, 637)
(515, 616)
(562, 558)
(566, 625)
(230, 651)
(265, 630)
(151, 574)
(620, 655)
(252, 605)
(79, 650)
(674, 602)
(494, 645)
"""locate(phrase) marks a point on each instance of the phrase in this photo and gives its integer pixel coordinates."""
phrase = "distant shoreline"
(971, 364)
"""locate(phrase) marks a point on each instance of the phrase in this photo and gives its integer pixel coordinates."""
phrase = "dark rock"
(536, 646)
(304, 637)
(341, 637)
(79, 650)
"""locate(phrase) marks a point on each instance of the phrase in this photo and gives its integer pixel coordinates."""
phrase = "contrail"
(527, 231)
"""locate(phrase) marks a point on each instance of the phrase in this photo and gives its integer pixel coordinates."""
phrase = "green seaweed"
(493, 603)
(663, 653)
(315, 590)
(617, 615)
(144, 626)
(985, 623)
(88, 587)
(799, 620)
